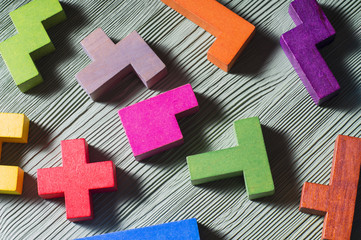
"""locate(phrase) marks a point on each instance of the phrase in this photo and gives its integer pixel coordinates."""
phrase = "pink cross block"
(112, 62)
(151, 125)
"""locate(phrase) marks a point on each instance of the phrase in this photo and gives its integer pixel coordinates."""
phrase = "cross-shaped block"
(337, 200)
(151, 125)
(112, 62)
(76, 180)
(248, 158)
(14, 128)
(232, 32)
(301, 45)
(185, 229)
(32, 42)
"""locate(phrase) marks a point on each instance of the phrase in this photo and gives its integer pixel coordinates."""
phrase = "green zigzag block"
(32, 41)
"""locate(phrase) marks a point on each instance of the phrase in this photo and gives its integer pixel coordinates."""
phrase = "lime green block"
(32, 41)
(248, 158)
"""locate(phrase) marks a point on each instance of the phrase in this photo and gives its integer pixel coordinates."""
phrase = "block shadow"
(60, 34)
(345, 43)
(12, 152)
(280, 159)
(206, 233)
(256, 54)
(106, 217)
(131, 85)
(192, 128)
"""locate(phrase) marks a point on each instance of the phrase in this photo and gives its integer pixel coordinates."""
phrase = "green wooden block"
(248, 158)
(32, 41)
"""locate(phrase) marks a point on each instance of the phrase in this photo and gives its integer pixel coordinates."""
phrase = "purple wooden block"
(112, 62)
(300, 45)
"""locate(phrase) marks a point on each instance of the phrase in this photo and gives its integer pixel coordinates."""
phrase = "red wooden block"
(337, 200)
(76, 179)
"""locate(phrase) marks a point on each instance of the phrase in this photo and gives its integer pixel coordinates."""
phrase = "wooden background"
(299, 135)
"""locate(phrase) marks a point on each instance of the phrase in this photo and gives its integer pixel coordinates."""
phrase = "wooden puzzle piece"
(185, 229)
(151, 125)
(11, 180)
(32, 41)
(76, 180)
(231, 31)
(313, 30)
(248, 158)
(14, 128)
(112, 62)
(337, 200)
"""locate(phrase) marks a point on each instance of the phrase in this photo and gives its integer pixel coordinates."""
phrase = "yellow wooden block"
(11, 180)
(14, 127)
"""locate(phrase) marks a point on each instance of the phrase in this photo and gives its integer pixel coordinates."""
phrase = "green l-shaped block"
(248, 158)
(32, 41)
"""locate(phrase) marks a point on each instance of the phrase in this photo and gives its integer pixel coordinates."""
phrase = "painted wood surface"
(299, 135)
(337, 200)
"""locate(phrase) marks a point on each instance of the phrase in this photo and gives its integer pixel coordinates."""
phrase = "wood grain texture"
(112, 62)
(337, 200)
(299, 135)
(232, 32)
(301, 45)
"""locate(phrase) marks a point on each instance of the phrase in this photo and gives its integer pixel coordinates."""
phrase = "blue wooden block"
(185, 229)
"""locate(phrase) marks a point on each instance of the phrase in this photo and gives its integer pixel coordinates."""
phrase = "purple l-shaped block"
(301, 45)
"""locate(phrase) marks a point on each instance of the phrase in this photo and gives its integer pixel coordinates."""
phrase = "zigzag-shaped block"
(32, 41)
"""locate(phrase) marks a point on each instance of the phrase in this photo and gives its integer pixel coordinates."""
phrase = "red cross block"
(76, 179)
(337, 200)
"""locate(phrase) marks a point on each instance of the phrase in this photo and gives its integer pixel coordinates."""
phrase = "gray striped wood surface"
(299, 135)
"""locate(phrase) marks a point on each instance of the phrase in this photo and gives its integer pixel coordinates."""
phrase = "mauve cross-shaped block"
(76, 180)
(32, 41)
(337, 200)
(112, 62)
(301, 45)
(151, 125)
(232, 32)
(249, 158)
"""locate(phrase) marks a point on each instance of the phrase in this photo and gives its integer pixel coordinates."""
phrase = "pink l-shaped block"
(151, 125)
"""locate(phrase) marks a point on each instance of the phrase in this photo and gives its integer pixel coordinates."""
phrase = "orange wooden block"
(232, 31)
(337, 200)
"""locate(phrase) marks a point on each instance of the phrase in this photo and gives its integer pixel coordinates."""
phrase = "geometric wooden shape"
(151, 125)
(249, 158)
(32, 41)
(313, 30)
(231, 31)
(14, 128)
(337, 200)
(181, 230)
(112, 62)
(11, 180)
(76, 180)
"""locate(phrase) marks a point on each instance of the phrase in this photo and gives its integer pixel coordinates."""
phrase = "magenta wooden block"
(301, 45)
(112, 62)
(151, 125)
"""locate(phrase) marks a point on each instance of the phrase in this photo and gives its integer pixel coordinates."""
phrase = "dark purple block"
(301, 45)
